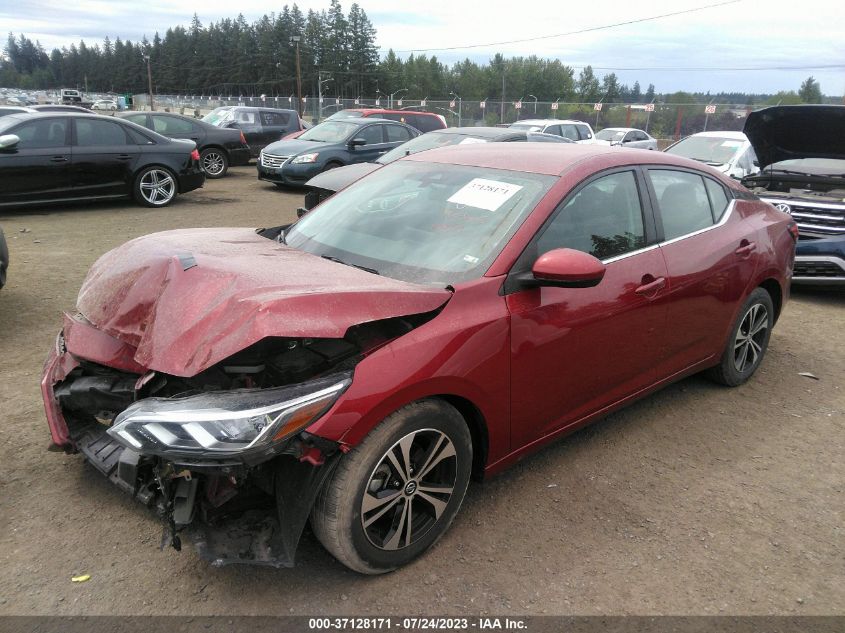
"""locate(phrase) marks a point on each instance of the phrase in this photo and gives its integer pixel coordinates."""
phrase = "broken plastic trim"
(226, 423)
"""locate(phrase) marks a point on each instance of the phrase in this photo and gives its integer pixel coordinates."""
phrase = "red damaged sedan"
(437, 320)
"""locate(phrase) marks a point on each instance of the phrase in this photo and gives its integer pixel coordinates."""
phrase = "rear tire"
(214, 162)
(748, 341)
(155, 187)
(360, 515)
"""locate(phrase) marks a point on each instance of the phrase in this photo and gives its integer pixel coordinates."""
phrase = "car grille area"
(815, 219)
(273, 160)
(817, 268)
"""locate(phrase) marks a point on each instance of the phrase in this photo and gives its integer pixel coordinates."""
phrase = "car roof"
(551, 159)
(481, 131)
(368, 112)
(621, 129)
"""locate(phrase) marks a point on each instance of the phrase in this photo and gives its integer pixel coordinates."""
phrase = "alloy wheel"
(748, 344)
(157, 187)
(212, 163)
(409, 489)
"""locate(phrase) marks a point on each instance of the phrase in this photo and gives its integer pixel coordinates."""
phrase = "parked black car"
(329, 145)
(219, 148)
(261, 126)
(4, 258)
(52, 157)
(327, 184)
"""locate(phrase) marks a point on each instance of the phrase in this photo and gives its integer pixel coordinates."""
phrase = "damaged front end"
(223, 456)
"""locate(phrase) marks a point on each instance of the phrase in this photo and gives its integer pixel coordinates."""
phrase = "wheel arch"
(217, 147)
(477, 427)
(772, 286)
(161, 165)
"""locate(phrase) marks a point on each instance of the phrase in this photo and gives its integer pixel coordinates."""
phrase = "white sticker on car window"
(470, 139)
(484, 194)
(470, 259)
(731, 143)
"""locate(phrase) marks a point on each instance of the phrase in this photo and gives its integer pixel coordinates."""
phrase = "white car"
(104, 104)
(626, 137)
(576, 131)
(729, 152)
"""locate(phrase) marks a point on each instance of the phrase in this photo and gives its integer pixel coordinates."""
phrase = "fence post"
(678, 122)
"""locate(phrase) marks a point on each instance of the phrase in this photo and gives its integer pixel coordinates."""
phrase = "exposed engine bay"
(235, 506)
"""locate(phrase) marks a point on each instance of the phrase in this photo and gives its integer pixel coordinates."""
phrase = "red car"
(423, 121)
(439, 319)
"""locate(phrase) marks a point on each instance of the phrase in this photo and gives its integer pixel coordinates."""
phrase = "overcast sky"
(748, 34)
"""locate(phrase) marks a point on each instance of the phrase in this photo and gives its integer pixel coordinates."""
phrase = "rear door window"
(169, 125)
(424, 122)
(95, 132)
(683, 201)
(397, 133)
(569, 131)
(584, 132)
(274, 119)
(140, 119)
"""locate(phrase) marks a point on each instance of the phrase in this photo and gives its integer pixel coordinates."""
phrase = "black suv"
(261, 126)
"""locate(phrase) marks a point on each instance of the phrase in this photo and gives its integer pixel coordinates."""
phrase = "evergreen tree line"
(236, 58)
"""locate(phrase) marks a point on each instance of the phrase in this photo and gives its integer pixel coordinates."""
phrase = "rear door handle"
(124, 156)
(58, 159)
(651, 285)
(745, 248)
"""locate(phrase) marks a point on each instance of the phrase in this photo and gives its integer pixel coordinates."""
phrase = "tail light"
(195, 154)
(243, 139)
(793, 230)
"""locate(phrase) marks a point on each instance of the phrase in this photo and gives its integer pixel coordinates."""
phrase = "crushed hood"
(188, 299)
(800, 131)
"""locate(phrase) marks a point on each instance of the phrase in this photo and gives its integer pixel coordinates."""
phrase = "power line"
(579, 31)
(716, 68)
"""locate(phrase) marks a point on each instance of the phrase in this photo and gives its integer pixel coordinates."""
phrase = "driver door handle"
(650, 285)
(58, 159)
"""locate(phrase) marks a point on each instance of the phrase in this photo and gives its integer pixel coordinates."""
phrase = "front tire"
(214, 162)
(748, 341)
(396, 493)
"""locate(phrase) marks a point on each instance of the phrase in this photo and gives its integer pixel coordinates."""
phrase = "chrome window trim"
(616, 258)
(725, 217)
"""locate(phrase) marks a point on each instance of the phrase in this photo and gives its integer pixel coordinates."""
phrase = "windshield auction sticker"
(484, 194)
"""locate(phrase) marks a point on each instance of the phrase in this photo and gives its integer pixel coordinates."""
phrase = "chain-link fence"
(661, 120)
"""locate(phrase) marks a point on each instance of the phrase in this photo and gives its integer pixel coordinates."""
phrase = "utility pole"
(150, 81)
(295, 41)
(502, 109)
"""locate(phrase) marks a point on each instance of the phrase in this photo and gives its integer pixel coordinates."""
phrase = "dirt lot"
(697, 500)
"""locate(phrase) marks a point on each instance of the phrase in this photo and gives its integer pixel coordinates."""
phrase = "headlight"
(305, 158)
(222, 423)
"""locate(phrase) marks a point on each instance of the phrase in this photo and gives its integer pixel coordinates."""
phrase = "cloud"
(746, 34)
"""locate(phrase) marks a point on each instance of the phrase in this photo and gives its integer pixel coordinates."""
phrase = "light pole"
(459, 106)
(320, 83)
(294, 40)
(535, 103)
(149, 81)
(390, 97)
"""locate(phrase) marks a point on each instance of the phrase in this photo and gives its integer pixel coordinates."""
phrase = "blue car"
(328, 145)
(801, 151)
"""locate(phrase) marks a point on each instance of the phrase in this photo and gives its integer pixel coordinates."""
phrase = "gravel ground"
(697, 500)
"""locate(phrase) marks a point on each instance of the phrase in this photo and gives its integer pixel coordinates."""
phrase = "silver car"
(626, 137)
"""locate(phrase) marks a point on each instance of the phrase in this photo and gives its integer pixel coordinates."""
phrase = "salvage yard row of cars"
(439, 315)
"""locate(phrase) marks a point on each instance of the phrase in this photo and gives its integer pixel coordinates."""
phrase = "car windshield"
(330, 132)
(610, 135)
(427, 141)
(816, 166)
(219, 116)
(715, 150)
(422, 222)
(345, 114)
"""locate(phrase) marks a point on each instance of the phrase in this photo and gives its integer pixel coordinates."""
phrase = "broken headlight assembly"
(226, 423)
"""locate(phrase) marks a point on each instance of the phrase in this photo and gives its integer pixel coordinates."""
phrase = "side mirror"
(355, 142)
(756, 162)
(567, 268)
(9, 141)
(232, 124)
